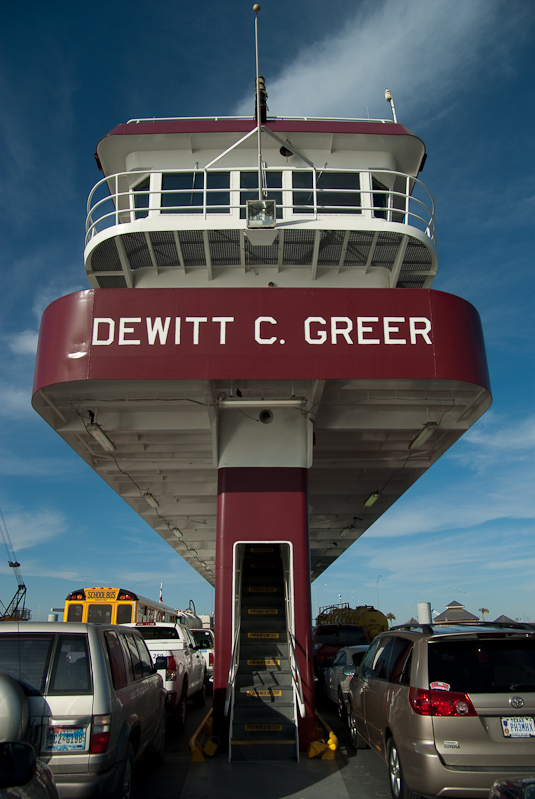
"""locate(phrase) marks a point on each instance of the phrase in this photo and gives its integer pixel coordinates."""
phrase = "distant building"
(455, 612)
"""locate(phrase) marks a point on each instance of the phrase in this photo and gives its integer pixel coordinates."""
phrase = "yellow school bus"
(107, 605)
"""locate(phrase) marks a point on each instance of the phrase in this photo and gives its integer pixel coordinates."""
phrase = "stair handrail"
(296, 676)
(233, 669)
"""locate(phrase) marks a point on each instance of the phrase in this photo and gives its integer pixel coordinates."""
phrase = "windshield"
(341, 636)
(158, 633)
(203, 638)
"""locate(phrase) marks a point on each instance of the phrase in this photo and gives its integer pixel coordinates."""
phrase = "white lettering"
(257, 337)
(223, 326)
(361, 329)
(196, 324)
(177, 329)
(157, 329)
(103, 320)
(342, 331)
(321, 334)
(414, 331)
(389, 329)
(124, 330)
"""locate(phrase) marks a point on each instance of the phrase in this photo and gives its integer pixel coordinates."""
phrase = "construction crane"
(16, 610)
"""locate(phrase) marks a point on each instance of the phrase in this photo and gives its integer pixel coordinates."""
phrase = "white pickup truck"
(180, 662)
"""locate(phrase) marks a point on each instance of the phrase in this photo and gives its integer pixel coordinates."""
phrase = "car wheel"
(199, 699)
(125, 786)
(398, 786)
(342, 710)
(357, 741)
(181, 709)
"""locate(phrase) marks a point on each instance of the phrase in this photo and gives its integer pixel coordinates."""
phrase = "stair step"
(264, 679)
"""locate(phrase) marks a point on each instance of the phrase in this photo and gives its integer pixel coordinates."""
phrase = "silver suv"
(87, 697)
(449, 708)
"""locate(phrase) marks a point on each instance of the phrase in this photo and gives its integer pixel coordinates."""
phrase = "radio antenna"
(256, 9)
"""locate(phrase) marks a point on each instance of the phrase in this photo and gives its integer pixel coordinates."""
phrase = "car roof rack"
(433, 629)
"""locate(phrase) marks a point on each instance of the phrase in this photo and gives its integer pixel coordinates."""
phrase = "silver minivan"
(91, 702)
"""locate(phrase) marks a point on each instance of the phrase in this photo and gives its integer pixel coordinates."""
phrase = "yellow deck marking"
(263, 727)
(264, 662)
(262, 589)
(263, 692)
(262, 635)
(262, 611)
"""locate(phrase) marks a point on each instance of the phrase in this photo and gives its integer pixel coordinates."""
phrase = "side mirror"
(17, 764)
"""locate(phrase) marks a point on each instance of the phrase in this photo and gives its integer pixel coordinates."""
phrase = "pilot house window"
(183, 192)
(336, 192)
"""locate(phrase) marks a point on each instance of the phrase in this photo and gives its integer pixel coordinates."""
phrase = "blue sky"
(462, 75)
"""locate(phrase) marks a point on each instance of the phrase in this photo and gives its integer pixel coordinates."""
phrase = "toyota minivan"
(449, 708)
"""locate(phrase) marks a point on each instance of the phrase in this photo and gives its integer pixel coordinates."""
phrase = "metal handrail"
(233, 670)
(270, 119)
(400, 206)
(296, 676)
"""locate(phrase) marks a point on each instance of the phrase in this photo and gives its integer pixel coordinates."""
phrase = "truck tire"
(181, 710)
(14, 713)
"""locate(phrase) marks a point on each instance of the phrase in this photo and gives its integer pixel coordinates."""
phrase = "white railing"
(114, 200)
(270, 119)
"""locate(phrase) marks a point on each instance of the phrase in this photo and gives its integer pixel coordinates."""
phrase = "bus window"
(99, 614)
(124, 614)
(75, 613)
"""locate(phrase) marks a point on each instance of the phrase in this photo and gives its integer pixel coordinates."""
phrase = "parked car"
(449, 708)
(338, 676)
(513, 789)
(87, 697)
(22, 776)
(328, 639)
(179, 662)
(205, 641)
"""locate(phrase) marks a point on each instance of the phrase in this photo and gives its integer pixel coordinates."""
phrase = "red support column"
(263, 504)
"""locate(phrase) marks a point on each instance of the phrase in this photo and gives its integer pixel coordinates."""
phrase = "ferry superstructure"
(260, 368)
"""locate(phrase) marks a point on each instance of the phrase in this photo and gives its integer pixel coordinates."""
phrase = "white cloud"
(24, 343)
(423, 51)
(15, 403)
(27, 530)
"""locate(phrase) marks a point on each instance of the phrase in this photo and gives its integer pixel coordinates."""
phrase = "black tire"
(199, 699)
(181, 710)
(125, 786)
(15, 710)
(342, 710)
(357, 741)
(396, 780)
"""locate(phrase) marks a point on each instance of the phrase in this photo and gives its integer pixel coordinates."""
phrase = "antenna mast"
(256, 9)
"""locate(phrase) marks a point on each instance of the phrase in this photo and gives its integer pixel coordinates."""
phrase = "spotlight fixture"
(150, 500)
(177, 532)
(100, 437)
(372, 499)
(425, 433)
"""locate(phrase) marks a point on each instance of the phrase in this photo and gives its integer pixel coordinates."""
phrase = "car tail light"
(440, 703)
(210, 658)
(100, 734)
(170, 672)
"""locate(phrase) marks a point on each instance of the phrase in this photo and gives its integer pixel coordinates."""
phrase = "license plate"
(518, 727)
(65, 739)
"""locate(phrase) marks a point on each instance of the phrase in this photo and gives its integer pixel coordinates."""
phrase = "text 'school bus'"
(105, 605)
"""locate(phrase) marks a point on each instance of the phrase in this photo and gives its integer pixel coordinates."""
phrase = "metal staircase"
(263, 723)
